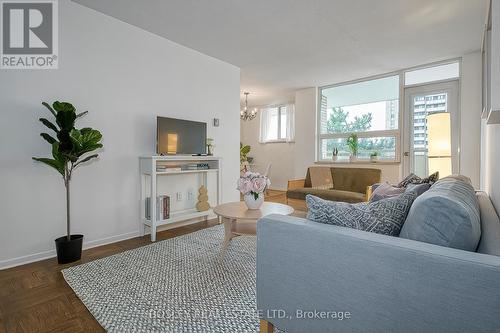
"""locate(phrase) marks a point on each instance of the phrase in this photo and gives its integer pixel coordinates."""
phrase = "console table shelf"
(185, 171)
(150, 181)
(180, 216)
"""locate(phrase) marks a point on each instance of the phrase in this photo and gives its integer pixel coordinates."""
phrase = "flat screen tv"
(179, 136)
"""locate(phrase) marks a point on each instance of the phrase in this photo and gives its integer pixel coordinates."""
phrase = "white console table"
(150, 177)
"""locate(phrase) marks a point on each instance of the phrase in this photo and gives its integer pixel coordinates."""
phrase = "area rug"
(176, 285)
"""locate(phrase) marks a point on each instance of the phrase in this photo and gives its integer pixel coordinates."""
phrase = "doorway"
(432, 122)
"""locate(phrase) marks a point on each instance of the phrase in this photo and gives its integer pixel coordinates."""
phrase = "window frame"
(401, 115)
(396, 133)
(280, 107)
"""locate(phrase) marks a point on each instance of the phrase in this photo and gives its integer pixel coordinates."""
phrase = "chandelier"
(244, 113)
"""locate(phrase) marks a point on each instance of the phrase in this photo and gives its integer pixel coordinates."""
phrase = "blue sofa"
(314, 277)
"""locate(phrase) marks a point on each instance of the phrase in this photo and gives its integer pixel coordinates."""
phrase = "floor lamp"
(439, 143)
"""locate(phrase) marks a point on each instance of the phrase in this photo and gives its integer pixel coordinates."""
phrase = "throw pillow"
(385, 216)
(385, 190)
(408, 179)
(321, 178)
(414, 179)
(419, 189)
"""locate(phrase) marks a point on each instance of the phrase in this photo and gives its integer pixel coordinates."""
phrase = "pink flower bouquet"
(253, 183)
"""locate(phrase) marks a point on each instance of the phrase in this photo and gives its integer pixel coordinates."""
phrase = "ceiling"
(284, 45)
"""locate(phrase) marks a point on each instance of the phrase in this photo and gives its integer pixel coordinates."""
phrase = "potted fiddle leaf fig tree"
(71, 148)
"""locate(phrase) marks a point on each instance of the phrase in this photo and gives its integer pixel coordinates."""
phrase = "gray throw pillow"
(414, 179)
(419, 189)
(384, 216)
(385, 190)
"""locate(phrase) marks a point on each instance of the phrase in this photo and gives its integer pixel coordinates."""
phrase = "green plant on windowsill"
(335, 154)
(353, 145)
(374, 156)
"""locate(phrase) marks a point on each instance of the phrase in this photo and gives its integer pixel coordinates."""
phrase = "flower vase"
(253, 203)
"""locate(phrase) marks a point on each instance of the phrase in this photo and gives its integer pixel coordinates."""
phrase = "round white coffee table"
(239, 220)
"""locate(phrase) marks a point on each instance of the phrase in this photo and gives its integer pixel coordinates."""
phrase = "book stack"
(196, 166)
(162, 207)
(168, 168)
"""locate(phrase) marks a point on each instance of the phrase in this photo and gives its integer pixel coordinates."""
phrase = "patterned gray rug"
(176, 285)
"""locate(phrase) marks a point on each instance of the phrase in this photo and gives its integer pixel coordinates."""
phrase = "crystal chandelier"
(245, 114)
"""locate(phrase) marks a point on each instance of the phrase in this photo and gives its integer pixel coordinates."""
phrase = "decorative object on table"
(244, 150)
(70, 150)
(374, 156)
(202, 204)
(210, 146)
(253, 185)
(352, 144)
(245, 114)
(335, 154)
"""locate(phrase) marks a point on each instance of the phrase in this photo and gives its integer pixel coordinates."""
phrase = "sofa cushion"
(447, 215)
(460, 177)
(385, 216)
(333, 195)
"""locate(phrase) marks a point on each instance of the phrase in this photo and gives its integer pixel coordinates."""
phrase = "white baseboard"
(4, 264)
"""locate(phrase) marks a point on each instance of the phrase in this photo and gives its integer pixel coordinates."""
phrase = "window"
(434, 73)
(369, 109)
(277, 124)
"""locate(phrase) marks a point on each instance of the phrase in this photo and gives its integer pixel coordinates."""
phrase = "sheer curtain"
(290, 123)
(264, 124)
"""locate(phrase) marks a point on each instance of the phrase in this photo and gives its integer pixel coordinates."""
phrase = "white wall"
(490, 139)
(470, 117)
(302, 153)
(305, 131)
(491, 173)
(125, 77)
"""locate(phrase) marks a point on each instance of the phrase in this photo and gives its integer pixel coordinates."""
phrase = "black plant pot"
(69, 251)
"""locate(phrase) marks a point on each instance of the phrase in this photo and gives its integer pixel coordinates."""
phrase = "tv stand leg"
(153, 233)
